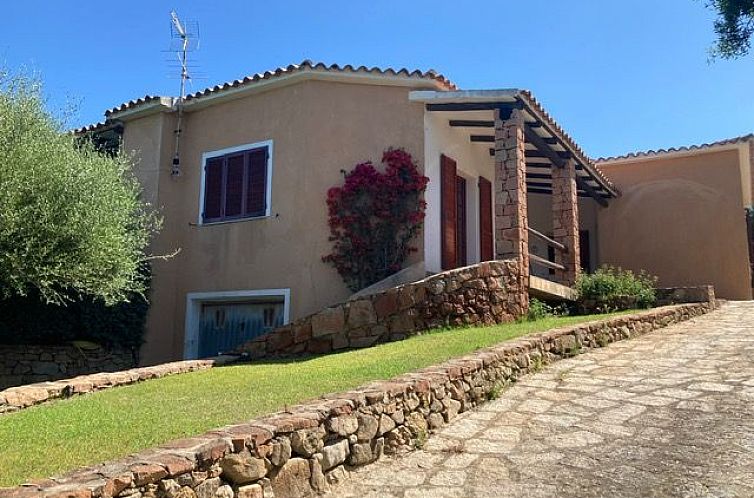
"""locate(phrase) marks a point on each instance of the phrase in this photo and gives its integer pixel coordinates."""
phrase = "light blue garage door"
(225, 326)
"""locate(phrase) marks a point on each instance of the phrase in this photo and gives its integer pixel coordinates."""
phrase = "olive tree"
(72, 223)
(734, 27)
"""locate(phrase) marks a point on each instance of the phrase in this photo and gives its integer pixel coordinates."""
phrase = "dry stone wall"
(26, 364)
(303, 451)
(691, 294)
(482, 294)
(20, 397)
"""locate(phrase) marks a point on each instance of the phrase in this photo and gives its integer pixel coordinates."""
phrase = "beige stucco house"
(243, 193)
(682, 215)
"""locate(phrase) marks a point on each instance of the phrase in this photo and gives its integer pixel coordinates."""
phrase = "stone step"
(546, 289)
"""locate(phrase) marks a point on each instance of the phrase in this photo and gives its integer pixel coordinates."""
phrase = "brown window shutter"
(461, 259)
(485, 220)
(256, 187)
(234, 185)
(448, 219)
(213, 189)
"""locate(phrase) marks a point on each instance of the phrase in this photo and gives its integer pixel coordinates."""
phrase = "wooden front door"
(486, 249)
(448, 213)
(453, 241)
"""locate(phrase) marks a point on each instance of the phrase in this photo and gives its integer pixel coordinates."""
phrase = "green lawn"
(50, 439)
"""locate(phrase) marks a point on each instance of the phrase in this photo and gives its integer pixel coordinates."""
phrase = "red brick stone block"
(174, 464)
(319, 345)
(302, 332)
(212, 450)
(386, 304)
(71, 493)
(114, 485)
(280, 340)
(249, 436)
(328, 321)
(148, 473)
(285, 424)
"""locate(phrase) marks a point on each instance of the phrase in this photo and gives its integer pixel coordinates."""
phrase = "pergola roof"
(547, 144)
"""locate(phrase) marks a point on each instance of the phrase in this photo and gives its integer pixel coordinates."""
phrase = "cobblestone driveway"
(669, 414)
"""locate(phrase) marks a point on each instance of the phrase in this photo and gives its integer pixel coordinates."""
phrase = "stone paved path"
(669, 414)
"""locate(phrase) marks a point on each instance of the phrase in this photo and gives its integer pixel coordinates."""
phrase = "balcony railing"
(533, 258)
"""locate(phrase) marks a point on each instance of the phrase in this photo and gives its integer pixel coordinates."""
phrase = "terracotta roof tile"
(670, 150)
(133, 103)
(304, 66)
(308, 65)
(93, 128)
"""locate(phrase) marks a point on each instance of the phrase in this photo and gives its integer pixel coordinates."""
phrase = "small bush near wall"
(541, 309)
(30, 320)
(610, 289)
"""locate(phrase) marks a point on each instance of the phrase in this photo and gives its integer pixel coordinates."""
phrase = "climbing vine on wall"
(373, 218)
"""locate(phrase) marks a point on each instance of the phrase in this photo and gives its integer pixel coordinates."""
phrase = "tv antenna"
(185, 39)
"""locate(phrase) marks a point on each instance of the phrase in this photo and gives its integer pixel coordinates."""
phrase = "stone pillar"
(565, 221)
(511, 219)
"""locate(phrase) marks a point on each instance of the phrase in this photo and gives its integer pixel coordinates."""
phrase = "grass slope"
(51, 439)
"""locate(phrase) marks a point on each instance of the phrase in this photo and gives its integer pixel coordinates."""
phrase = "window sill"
(237, 220)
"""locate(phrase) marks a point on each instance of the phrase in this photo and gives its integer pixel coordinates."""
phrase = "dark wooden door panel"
(461, 259)
(448, 215)
(485, 220)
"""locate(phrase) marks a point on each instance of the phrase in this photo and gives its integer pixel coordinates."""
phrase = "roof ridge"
(305, 65)
(682, 148)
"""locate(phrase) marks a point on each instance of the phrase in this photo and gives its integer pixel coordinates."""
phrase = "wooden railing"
(551, 242)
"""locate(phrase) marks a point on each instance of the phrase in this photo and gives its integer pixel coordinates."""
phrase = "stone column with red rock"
(511, 218)
(565, 221)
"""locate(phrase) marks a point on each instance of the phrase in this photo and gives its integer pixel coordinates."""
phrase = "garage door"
(225, 326)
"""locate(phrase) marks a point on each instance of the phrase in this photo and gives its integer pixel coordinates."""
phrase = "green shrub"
(540, 309)
(31, 320)
(610, 289)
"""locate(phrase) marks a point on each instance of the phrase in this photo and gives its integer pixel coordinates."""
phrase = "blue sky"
(617, 75)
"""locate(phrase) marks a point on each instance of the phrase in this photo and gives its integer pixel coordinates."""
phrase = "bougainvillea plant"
(374, 217)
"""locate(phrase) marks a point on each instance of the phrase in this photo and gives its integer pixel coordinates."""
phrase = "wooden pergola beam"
(546, 155)
(538, 176)
(548, 191)
(472, 123)
(483, 138)
(583, 185)
(538, 184)
(554, 156)
(475, 106)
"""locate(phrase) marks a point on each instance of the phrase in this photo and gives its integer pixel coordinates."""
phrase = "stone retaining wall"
(692, 294)
(20, 397)
(26, 364)
(305, 450)
(482, 294)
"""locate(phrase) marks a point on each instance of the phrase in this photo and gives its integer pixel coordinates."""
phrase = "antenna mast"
(187, 41)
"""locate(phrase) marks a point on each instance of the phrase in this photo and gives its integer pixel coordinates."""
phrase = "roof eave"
(162, 104)
(726, 145)
(433, 97)
(223, 94)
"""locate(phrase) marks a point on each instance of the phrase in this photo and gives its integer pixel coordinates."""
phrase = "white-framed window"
(219, 321)
(236, 183)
